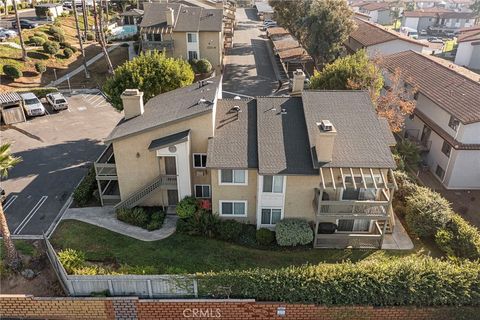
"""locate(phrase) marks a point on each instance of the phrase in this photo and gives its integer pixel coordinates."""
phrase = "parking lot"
(57, 150)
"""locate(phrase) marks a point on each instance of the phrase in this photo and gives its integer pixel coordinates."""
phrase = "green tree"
(354, 71)
(7, 162)
(476, 7)
(290, 14)
(152, 72)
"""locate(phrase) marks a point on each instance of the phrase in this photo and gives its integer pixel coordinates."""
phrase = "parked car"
(32, 105)
(57, 101)
(269, 24)
(8, 33)
(423, 32)
(25, 24)
(435, 40)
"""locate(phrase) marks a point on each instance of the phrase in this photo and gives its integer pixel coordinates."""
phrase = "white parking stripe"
(30, 215)
(9, 202)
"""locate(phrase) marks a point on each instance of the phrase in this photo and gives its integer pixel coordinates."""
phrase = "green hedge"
(187, 207)
(388, 282)
(84, 192)
(459, 239)
(150, 218)
(293, 232)
(12, 71)
(40, 92)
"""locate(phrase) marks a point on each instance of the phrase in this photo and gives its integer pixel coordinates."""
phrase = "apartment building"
(468, 50)
(438, 19)
(378, 11)
(446, 122)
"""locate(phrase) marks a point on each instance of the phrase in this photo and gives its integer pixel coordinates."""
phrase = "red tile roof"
(453, 88)
(469, 34)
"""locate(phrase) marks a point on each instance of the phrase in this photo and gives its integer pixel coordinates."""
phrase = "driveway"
(248, 67)
(57, 150)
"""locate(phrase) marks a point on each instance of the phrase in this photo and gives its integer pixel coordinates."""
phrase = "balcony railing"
(353, 208)
(157, 45)
(338, 240)
(105, 168)
(413, 135)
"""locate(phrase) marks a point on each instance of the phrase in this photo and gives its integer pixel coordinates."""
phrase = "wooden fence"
(147, 286)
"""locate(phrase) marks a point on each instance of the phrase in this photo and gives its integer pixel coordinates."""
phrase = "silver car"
(57, 101)
(32, 105)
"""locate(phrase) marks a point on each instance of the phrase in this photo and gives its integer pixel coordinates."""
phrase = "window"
(440, 172)
(349, 225)
(228, 176)
(233, 208)
(271, 216)
(154, 37)
(199, 160)
(446, 148)
(192, 55)
(453, 123)
(191, 37)
(273, 184)
(361, 194)
(202, 191)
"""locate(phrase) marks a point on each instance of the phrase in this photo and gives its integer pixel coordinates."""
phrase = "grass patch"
(23, 247)
(188, 254)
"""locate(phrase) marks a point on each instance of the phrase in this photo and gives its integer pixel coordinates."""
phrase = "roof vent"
(326, 125)
(237, 98)
(201, 100)
(236, 109)
(283, 112)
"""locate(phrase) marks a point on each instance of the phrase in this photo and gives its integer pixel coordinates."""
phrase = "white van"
(409, 32)
(32, 105)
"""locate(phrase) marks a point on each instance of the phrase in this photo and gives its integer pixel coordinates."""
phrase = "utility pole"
(102, 39)
(80, 41)
(20, 36)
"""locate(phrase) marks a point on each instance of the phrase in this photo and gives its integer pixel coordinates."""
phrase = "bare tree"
(19, 27)
(80, 41)
(102, 39)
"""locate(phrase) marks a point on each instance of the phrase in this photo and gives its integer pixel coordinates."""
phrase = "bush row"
(387, 282)
(150, 218)
(83, 194)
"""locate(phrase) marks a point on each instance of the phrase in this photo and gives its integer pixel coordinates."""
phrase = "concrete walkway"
(399, 239)
(104, 217)
(80, 68)
(131, 51)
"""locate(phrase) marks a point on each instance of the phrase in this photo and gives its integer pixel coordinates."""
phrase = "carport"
(11, 105)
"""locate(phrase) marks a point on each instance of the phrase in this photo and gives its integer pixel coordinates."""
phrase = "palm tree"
(20, 36)
(7, 162)
(80, 41)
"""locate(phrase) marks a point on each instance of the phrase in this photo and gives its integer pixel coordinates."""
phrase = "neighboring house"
(132, 17)
(378, 11)
(459, 4)
(323, 156)
(48, 10)
(378, 40)
(468, 50)
(362, 16)
(265, 11)
(182, 31)
(446, 122)
(438, 19)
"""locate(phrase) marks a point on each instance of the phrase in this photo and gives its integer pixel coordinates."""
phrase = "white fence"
(147, 286)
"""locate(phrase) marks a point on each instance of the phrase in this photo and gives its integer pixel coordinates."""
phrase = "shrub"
(458, 238)
(229, 230)
(426, 212)
(203, 66)
(42, 92)
(92, 271)
(67, 52)
(406, 186)
(90, 36)
(187, 207)
(71, 259)
(265, 237)
(380, 282)
(135, 216)
(156, 221)
(12, 71)
(40, 35)
(202, 223)
(293, 232)
(69, 46)
(36, 41)
(409, 152)
(55, 29)
(84, 192)
(59, 37)
(40, 67)
(51, 47)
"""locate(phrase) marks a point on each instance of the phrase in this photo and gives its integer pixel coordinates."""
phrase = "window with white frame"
(273, 184)
(202, 191)
(270, 216)
(353, 225)
(233, 208)
(229, 176)
(446, 148)
(199, 160)
(191, 37)
(192, 55)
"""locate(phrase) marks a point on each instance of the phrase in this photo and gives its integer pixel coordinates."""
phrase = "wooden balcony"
(372, 240)
(158, 45)
(105, 168)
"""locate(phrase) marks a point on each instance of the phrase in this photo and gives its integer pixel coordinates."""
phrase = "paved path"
(399, 239)
(105, 217)
(80, 68)
(11, 44)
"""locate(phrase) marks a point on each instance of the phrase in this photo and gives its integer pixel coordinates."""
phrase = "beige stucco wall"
(237, 192)
(134, 172)
(299, 196)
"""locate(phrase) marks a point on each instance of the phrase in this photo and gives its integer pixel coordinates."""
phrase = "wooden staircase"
(163, 181)
(389, 228)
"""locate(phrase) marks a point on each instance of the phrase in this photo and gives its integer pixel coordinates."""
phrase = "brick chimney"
(170, 17)
(132, 100)
(298, 82)
(325, 140)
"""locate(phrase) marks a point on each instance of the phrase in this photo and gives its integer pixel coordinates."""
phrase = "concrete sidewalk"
(104, 217)
(399, 239)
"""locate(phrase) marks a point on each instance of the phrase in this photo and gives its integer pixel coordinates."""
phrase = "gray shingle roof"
(283, 146)
(187, 19)
(361, 140)
(169, 140)
(235, 143)
(168, 107)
